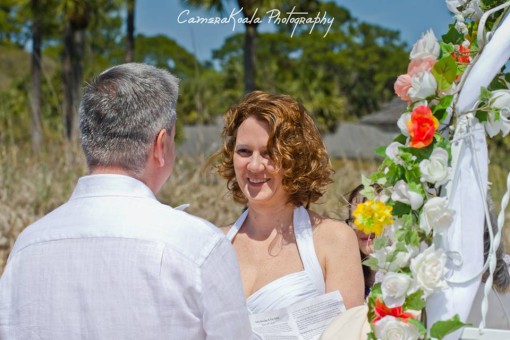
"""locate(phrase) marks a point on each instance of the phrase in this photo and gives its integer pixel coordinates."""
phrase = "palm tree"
(77, 18)
(130, 34)
(35, 104)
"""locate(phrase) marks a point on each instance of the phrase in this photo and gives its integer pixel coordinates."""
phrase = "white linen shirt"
(114, 263)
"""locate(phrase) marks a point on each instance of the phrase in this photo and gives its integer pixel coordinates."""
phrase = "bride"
(276, 164)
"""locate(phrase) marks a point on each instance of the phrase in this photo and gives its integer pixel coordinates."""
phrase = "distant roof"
(353, 140)
(386, 118)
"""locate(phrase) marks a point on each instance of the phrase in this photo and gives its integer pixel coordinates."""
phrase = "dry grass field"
(32, 185)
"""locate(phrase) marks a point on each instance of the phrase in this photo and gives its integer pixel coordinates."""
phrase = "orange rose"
(422, 127)
(462, 54)
(381, 310)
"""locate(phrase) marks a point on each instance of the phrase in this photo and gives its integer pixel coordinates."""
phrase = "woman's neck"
(262, 222)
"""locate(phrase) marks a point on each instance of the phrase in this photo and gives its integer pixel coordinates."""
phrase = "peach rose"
(402, 86)
(419, 65)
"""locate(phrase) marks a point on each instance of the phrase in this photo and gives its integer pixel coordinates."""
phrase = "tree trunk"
(250, 39)
(130, 36)
(35, 107)
(72, 71)
(67, 75)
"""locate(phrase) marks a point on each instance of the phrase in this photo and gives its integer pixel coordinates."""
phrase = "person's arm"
(225, 314)
(337, 247)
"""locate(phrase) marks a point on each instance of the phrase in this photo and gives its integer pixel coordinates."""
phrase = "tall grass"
(31, 185)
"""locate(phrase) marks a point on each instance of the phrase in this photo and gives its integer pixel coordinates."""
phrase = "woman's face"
(365, 242)
(258, 177)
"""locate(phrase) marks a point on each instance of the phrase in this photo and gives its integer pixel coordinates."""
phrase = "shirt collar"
(111, 185)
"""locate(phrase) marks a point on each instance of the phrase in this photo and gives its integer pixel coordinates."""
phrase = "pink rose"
(402, 86)
(419, 65)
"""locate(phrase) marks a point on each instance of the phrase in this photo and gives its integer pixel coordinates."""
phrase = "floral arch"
(429, 216)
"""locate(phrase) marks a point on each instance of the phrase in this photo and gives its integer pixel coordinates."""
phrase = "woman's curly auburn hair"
(295, 145)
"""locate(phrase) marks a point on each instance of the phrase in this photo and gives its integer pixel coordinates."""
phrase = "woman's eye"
(243, 152)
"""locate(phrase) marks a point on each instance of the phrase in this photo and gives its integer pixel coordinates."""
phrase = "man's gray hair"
(122, 111)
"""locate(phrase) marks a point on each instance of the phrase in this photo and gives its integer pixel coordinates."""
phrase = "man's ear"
(160, 147)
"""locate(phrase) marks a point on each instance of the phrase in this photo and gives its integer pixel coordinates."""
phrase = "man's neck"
(114, 170)
(110, 170)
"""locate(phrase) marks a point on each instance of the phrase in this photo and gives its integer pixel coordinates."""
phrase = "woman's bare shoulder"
(225, 229)
(327, 228)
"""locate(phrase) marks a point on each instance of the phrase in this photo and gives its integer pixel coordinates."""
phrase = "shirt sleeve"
(225, 313)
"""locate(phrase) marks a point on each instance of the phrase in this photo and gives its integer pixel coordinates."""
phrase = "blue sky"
(410, 17)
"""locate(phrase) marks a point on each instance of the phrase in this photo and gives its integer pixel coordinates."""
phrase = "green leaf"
(372, 263)
(380, 151)
(453, 36)
(413, 176)
(442, 328)
(447, 49)
(409, 236)
(401, 139)
(419, 326)
(382, 181)
(376, 290)
(380, 242)
(482, 116)
(445, 72)
(507, 77)
(444, 103)
(395, 173)
(420, 153)
(400, 209)
(498, 83)
(485, 94)
(415, 301)
(415, 187)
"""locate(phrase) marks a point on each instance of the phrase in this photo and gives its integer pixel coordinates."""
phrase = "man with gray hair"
(113, 262)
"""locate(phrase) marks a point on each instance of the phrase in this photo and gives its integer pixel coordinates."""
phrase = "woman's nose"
(256, 163)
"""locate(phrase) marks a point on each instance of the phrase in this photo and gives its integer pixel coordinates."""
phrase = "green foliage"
(445, 72)
(13, 16)
(442, 328)
(453, 36)
(440, 110)
(415, 301)
(339, 76)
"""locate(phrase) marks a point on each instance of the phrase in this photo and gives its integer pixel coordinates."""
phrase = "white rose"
(402, 123)
(461, 27)
(402, 258)
(436, 215)
(392, 151)
(435, 170)
(499, 100)
(391, 230)
(389, 259)
(429, 269)
(423, 85)
(402, 193)
(391, 328)
(473, 10)
(426, 47)
(452, 6)
(395, 287)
